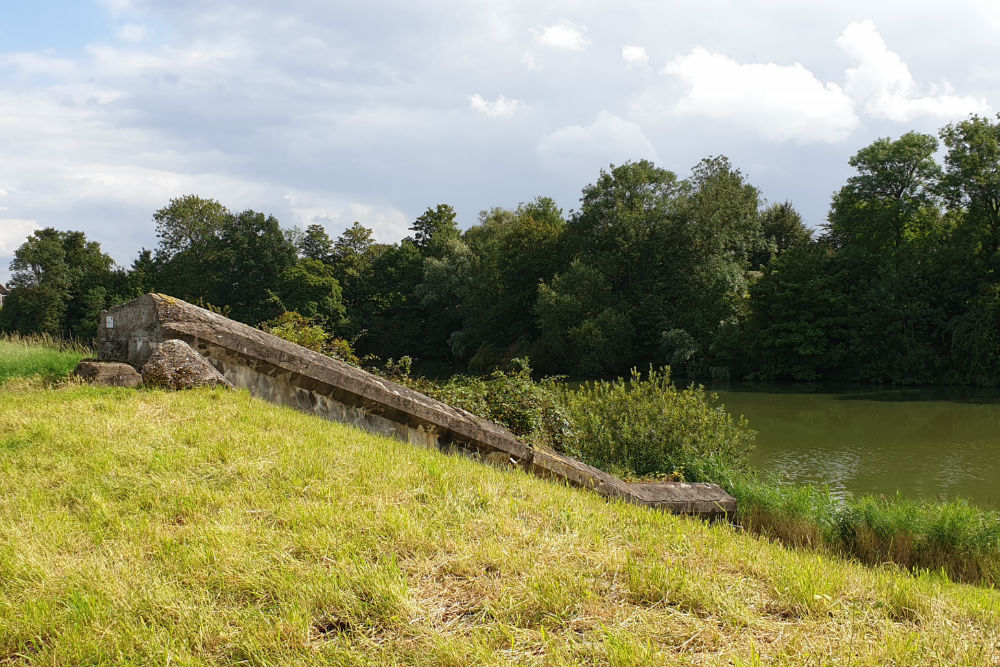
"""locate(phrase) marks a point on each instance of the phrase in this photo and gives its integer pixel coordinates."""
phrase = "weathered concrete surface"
(176, 365)
(107, 374)
(282, 372)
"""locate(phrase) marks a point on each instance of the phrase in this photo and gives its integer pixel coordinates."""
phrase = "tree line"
(699, 273)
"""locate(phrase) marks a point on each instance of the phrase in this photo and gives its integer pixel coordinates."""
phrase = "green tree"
(433, 228)
(783, 229)
(672, 256)
(315, 244)
(188, 229)
(972, 183)
(354, 254)
(395, 322)
(247, 257)
(443, 286)
(584, 331)
(310, 288)
(697, 299)
(892, 197)
(512, 252)
(799, 328)
(60, 282)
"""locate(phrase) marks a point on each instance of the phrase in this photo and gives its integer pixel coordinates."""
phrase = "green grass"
(43, 356)
(955, 537)
(207, 527)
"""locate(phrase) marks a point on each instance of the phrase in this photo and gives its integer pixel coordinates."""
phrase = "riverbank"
(138, 529)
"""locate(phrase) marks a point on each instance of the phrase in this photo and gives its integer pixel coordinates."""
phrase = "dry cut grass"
(209, 528)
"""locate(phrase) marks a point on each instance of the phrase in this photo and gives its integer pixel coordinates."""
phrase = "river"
(938, 444)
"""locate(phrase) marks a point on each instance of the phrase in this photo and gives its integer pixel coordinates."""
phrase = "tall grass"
(39, 355)
(956, 538)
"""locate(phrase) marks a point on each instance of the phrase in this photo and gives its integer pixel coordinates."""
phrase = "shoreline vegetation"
(646, 428)
(137, 530)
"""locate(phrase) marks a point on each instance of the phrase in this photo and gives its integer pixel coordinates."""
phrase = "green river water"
(938, 444)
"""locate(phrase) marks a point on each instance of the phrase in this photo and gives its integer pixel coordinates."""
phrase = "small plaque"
(110, 322)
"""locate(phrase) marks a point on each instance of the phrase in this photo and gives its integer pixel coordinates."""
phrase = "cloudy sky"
(328, 112)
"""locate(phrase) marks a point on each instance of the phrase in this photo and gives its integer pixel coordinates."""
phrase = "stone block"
(176, 365)
(107, 374)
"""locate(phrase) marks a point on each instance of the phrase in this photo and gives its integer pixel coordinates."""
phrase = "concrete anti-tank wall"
(287, 374)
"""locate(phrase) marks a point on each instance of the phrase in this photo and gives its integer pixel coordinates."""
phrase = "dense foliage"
(902, 287)
(699, 273)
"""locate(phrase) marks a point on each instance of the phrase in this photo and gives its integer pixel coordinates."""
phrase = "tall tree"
(783, 229)
(671, 255)
(310, 288)
(354, 254)
(188, 229)
(972, 182)
(395, 325)
(512, 252)
(315, 244)
(892, 196)
(247, 257)
(433, 228)
(60, 283)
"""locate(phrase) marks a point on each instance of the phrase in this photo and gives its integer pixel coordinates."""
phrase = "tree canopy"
(696, 271)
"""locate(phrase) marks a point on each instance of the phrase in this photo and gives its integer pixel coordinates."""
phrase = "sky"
(324, 112)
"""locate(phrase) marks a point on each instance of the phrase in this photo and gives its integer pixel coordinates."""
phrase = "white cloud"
(635, 56)
(530, 62)
(501, 107)
(132, 32)
(13, 232)
(780, 102)
(609, 138)
(562, 35)
(883, 84)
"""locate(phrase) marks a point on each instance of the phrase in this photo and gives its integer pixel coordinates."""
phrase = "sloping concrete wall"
(287, 374)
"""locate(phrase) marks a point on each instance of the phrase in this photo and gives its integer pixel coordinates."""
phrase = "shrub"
(528, 409)
(646, 427)
(301, 330)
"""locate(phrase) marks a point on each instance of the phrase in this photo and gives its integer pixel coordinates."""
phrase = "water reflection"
(927, 443)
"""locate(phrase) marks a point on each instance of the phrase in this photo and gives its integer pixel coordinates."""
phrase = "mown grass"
(207, 527)
(44, 356)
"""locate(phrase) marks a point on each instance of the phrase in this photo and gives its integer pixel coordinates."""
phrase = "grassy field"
(206, 527)
(42, 356)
